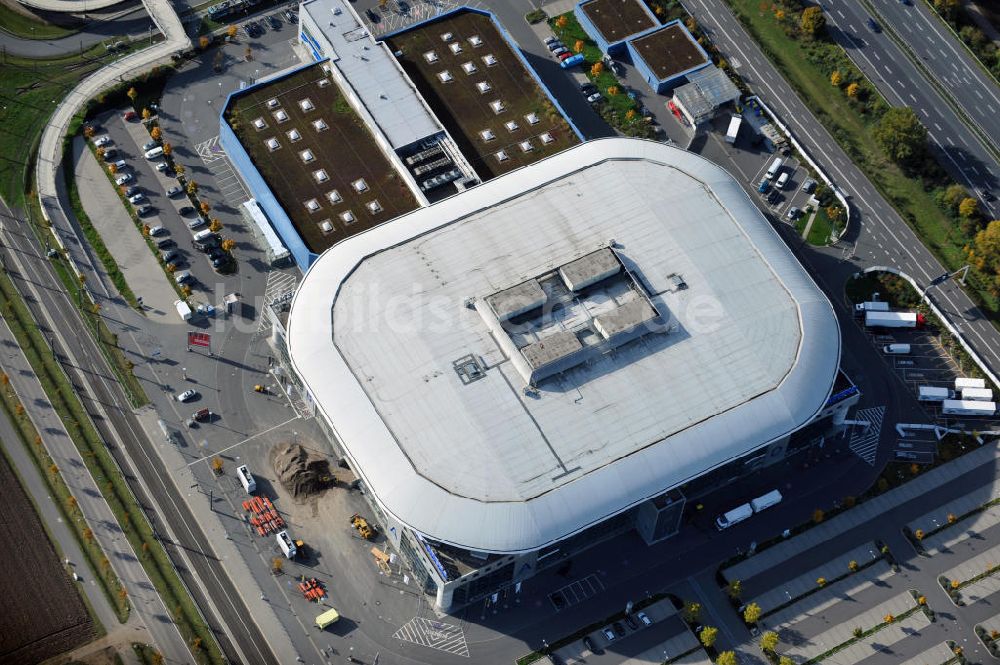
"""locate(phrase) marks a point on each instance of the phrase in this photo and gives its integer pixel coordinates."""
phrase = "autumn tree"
(708, 636)
(813, 21)
(88, 132)
(818, 516)
(612, 90)
(726, 658)
(692, 611)
(231, 31)
(113, 168)
(71, 502)
(100, 152)
(785, 660)
(596, 69)
(953, 195)
(203, 42)
(968, 207)
(734, 589)
(146, 114)
(192, 188)
(215, 225)
(836, 78)
(985, 253)
(228, 244)
(751, 613)
(88, 535)
(155, 133)
(852, 566)
(578, 46)
(852, 90)
(562, 22)
(769, 641)
(901, 135)
(947, 8)
(132, 94)
(167, 149)
(179, 169)
(204, 207)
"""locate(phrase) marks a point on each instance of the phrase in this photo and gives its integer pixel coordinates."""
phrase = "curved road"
(104, 27)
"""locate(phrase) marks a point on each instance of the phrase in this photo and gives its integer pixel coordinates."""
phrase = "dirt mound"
(301, 472)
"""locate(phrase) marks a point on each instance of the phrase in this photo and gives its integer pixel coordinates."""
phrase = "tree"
(708, 636)
(179, 169)
(751, 613)
(734, 589)
(630, 114)
(692, 611)
(852, 566)
(821, 582)
(203, 42)
(596, 69)
(857, 632)
(132, 94)
(192, 188)
(155, 133)
(186, 290)
(71, 502)
(813, 21)
(951, 518)
(726, 658)
(113, 168)
(578, 46)
(88, 131)
(901, 135)
(100, 153)
(204, 207)
(818, 516)
(88, 535)
(562, 22)
(612, 90)
(146, 114)
(888, 618)
(919, 534)
(215, 225)
(985, 253)
(691, 24)
(779, 15)
(769, 641)
(383, 4)
(836, 78)
(122, 594)
(157, 658)
(953, 195)
(231, 31)
(168, 149)
(785, 660)
(968, 207)
(947, 8)
(852, 90)
(228, 244)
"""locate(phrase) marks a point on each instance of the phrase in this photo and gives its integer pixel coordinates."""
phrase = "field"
(464, 110)
(617, 19)
(43, 613)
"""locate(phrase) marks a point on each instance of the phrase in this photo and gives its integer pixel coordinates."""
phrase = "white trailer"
(286, 544)
(246, 479)
(963, 383)
(977, 394)
(183, 310)
(734, 516)
(734, 128)
(893, 319)
(871, 306)
(933, 394)
(766, 501)
(959, 407)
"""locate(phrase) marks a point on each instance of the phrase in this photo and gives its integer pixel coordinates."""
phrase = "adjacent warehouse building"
(550, 359)
(610, 23)
(666, 56)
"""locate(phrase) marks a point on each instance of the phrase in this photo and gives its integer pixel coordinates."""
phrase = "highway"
(879, 236)
(970, 156)
(179, 532)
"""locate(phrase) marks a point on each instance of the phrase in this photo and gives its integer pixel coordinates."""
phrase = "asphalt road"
(117, 22)
(117, 425)
(962, 151)
(878, 235)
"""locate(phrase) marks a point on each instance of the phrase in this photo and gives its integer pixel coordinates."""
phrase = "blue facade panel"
(258, 186)
(513, 47)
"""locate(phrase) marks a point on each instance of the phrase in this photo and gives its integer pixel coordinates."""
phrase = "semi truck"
(871, 306)
(977, 395)
(961, 407)
(734, 128)
(933, 394)
(747, 510)
(961, 383)
(894, 319)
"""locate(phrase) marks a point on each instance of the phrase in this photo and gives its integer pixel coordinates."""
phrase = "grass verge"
(26, 27)
(146, 654)
(819, 232)
(102, 466)
(808, 66)
(17, 317)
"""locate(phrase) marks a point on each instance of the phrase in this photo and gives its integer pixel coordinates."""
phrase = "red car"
(129, 116)
(563, 56)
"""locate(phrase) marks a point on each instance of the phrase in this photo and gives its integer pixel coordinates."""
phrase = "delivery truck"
(894, 319)
(898, 349)
(734, 516)
(977, 394)
(734, 128)
(960, 407)
(766, 501)
(933, 394)
(183, 310)
(871, 306)
(962, 383)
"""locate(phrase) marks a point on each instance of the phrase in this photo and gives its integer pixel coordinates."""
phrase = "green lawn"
(807, 67)
(26, 27)
(819, 232)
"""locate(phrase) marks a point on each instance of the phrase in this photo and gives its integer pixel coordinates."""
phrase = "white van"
(734, 516)
(782, 179)
(184, 311)
(896, 348)
(773, 169)
(766, 501)
(154, 153)
(201, 235)
(246, 479)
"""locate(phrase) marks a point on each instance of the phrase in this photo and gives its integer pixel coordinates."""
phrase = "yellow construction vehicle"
(361, 524)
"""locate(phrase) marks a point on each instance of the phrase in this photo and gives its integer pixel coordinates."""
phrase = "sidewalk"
(147, 606)
(865, 512)
(111, 220)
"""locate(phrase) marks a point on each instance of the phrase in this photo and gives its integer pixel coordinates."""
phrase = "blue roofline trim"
(510, 42)
(607, 47)
(636, 56)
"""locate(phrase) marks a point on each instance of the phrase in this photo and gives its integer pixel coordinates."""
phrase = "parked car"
(109, 154)
(274, 22)
(123, 178)
(588, 88)
(644, 619)
(161, 166)
(564, 56)
(102, 141)
(554, 45)
(987, 195)
(809, 186)
(548, 40)
(174, 191)
(291, 16)
(157, 230)
(183, 277)
(588, 643)
(136, 198)
(372, 15)
(144, 210)
(619, 629)
(163, 243)
(559, 51)
(149, 145)
(129, 116)
(132, 190)
(187, 395)
(169, 255)
(632, 623)
(120, 164)
(186, 210)
(595, 98)
(774, 197)
(609, 634)
(195, 222)
(793, 213)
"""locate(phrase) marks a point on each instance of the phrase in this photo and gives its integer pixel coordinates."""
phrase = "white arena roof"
(409, 339)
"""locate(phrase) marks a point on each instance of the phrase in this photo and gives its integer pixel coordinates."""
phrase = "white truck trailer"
(960, 407)
(962, 383)
(933, 394)
(977, 394)
(894, 319)
(734, 128)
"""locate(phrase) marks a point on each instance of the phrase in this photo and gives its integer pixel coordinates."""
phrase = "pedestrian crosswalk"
(864, 440)
(434, 634)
